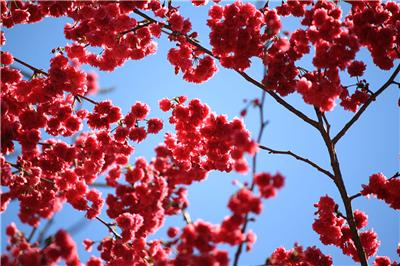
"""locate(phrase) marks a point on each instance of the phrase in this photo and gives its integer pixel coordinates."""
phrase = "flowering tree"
(39, 111)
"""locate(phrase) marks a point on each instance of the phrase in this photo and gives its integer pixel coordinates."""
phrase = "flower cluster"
(61, 247)
(203, 142)
(204, 237)
(298, 256)
(125, 40)
(384, 261)
(375, 28)
(235, 34)
(239, 32)
(333, 230)
(104, 114)
(387, 190)
(185, 56)
(269, 184)
(201, 237)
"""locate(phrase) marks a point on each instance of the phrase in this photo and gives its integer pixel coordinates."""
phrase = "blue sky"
(370, 146)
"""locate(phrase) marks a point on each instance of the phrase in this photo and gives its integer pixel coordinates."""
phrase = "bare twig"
(110, 227)
(263, 124)
(328, 126)
(87, 99)
(300, 158)
(186, 216)
(100, 185)
(365, 105)
(141, 25)
(34, 229)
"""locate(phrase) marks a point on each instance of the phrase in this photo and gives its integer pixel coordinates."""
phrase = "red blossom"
(154, 125)
(387, 190)
(298, 256)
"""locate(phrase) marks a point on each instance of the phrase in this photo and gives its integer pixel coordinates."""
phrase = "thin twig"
(142, 25)
(100, 185)
(110, 227)
(263, 124)
(31, 234)
(186, 216)
(365, 105)
(77, 226)
(328, 126)
(300, 158)
(87, 99)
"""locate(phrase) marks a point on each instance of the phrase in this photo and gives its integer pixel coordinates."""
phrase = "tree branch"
(339, 182)
(364, 107)
(300, 158)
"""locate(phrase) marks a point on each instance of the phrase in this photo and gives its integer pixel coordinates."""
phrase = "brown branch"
(339, 182)
(31, 234)
(87, 99)
(110, 227)
(100, 185)
(279, 100)
(141, 25)
(186, 216)
(34, 69)
(365, 105)
(328, 126)
(300, 158)
(274, 95)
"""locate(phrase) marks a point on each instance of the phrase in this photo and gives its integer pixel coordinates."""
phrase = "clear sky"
(370, 146)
